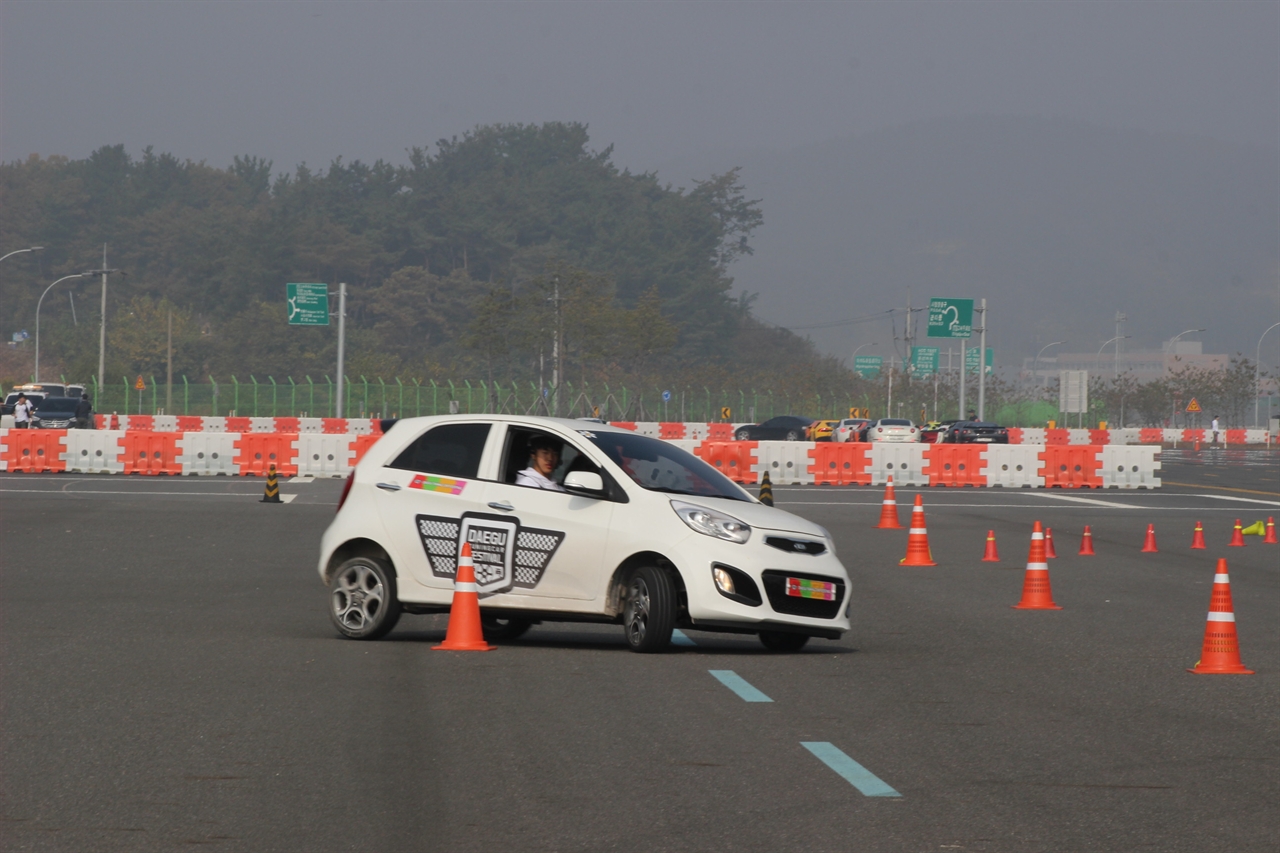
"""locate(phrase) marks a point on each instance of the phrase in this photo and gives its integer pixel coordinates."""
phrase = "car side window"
(516, 457)
(453, 450)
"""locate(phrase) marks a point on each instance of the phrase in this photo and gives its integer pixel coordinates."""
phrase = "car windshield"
(661, 467)
(56, 404)
(894, 422)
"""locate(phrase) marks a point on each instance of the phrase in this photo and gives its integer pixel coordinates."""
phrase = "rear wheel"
(650, 614)
(742, 435)
(499, 629)
(362, 599)
(793, 435)
(783, 641)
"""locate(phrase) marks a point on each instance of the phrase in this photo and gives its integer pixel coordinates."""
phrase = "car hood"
(758, 515)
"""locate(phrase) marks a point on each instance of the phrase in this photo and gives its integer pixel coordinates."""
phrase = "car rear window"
(450, 449)
(894, 422)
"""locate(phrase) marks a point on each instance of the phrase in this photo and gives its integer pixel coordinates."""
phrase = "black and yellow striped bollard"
(766, 490)
(272, 493)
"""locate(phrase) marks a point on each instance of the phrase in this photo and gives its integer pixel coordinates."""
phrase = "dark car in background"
(975, 432)
(55, 413)
(932, 432)
(781, 428)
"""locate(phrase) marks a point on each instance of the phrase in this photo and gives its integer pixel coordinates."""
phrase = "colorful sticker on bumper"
(431, 483)
(505, 554)
(801, 588)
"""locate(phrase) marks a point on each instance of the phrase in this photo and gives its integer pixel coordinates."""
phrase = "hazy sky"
(310, 81)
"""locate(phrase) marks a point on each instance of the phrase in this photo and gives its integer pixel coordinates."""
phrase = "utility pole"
(1120, 318)
(168, 392)
(102, 332)
(963, 377)
(982, 364)
(342, 347)
(555, 353)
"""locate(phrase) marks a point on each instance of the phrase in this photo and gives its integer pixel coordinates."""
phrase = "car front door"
(558, 539)
(423, 494)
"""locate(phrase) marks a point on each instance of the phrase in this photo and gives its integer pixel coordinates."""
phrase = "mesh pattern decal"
(534, 548)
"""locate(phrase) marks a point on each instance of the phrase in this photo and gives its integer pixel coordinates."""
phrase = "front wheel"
(362, 599)
(650, 614)
(793, 436)
(742, 435)
(783, 641)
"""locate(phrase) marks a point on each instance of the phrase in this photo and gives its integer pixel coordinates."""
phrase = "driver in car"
(544, 457)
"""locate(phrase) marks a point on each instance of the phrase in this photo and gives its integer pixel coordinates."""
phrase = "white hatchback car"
(632, 531)
(893, 429)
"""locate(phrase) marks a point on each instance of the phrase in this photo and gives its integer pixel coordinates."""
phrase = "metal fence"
(364, 397)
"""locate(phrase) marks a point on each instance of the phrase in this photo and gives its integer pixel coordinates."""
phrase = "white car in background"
(893, 429)
(849, 429)
(643, 534)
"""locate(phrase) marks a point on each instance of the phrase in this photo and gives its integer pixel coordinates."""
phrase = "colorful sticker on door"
(431, 483)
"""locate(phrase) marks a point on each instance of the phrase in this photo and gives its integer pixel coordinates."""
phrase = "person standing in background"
(22, 412)
(1214, 426)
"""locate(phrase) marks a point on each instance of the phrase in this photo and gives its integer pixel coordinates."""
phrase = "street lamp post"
(1035, 365)
(1116, 340)
(860, 346)
(1257, 362)
(22, 251)
(1173, 341)
(40, 302)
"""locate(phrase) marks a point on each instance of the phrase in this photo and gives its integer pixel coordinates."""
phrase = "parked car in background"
(893, 429)
(851, 429)
(933, 431)
(821, 430)
(976, 432)
(55, 413)
(781, 428)
(33, 397)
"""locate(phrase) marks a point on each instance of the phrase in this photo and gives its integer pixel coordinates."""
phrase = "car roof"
(571, 424)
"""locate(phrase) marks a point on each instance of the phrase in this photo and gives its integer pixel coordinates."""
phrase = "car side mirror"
(587, 483)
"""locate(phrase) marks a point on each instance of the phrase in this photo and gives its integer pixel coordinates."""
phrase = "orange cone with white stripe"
(918, 553)
(1221, 650)
(991, 555)
(1086, 543)
(465, 633)
(1050, 552)
(1270, 538)
(1197, 537)
(1036, 594)
(1149, 544)
(1237, 536)
(889, 509)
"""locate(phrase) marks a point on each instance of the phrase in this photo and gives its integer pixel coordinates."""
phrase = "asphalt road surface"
(170, 678)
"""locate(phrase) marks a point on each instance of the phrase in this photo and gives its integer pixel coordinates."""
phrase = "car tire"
(650, 613)
(742, 435)
(499, 629)
(793, 436)
(783, 641)
(362, 598)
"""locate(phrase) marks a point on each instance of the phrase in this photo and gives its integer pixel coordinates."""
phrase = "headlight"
(708, 522)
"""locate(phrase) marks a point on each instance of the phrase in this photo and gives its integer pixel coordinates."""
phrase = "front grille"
(795, 546)
(775, 587)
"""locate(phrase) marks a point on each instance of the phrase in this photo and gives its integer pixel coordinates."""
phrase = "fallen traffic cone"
(465, 633)
(1255, 529)
(1049, 551)
(766, 490)
(889, 509)
(271, 495)
(1197, 538)
(1036, 594)
(918, 553)
(1270, 538)
(1237, 537)
(1221, 650)
(1149, 545)
(1086, 543)
(991, 555)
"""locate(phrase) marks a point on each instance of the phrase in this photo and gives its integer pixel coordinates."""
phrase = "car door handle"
(504, 506)
(389, 487)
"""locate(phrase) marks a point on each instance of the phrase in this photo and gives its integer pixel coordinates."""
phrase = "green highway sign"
(971, 360)
(867, 365)
(924, 361)
(950, 318)
(308, 304)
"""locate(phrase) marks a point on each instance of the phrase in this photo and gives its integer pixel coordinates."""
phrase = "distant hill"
(1059, 224)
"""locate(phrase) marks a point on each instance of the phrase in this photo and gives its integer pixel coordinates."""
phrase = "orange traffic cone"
(889, 509)
(1086, 543)
(1221, 650)
(465, 634)
(1237, 536)
(1270, 538)
(1197, 538)
(1036, 594)
(991, 555)
(918, 553)
(1149, 544)
(1049, 551)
